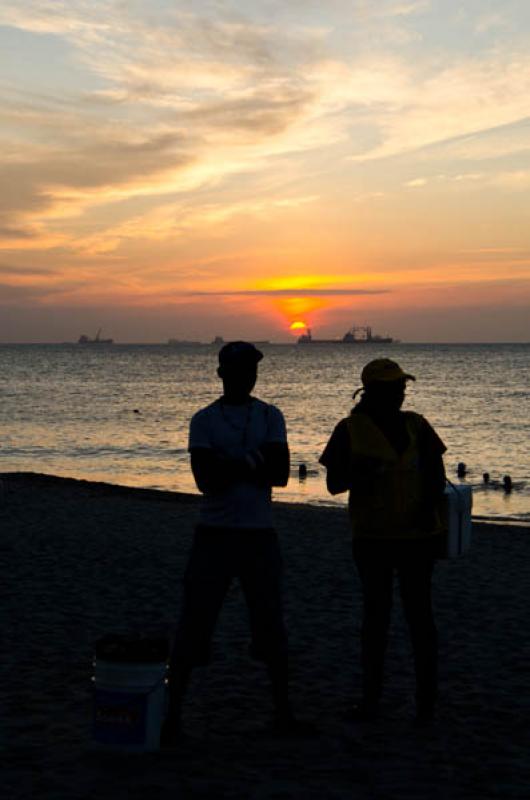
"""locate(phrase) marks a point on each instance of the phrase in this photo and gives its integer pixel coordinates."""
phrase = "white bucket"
(129, 705)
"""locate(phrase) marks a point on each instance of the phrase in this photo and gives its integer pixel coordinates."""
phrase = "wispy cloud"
(397, 8)
(469, 98)
(39, 292)
(288, 292)
(12, 269)
(514, 180)
(492, 21)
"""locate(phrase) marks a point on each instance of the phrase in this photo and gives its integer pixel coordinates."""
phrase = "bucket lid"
(135, 649)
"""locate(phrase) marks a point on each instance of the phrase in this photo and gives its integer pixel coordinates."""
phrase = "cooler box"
(130, 679)
(455, 512)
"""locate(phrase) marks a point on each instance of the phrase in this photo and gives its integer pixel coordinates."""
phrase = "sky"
(194, 169)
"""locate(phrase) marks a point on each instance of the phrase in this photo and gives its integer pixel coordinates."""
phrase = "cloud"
(287, 292)
(181, 85)
(404, 9)
(105, 161)
(10, 232)
(493, 21)
(416, 183)
(59, 17)
(172, 221)
(389, 9)
(503, 140)
(267, 113)
(514, 180)
(216, 76)
(11, 269)
(268, 73)
(498, 251)
(471, 97)
(27, 292)
(64, 184)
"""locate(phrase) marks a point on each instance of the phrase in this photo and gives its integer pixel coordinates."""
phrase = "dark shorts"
(412, 560)
(396, 552)
(218, 555)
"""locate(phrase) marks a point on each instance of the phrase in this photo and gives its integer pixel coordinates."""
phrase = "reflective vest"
(386, 494)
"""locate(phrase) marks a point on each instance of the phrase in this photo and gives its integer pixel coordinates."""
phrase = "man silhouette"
(239, 450)
(391, 463)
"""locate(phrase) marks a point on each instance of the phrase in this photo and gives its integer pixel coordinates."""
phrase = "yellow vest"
(385, 498)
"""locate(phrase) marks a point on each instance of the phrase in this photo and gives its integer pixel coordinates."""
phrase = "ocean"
(120, 413)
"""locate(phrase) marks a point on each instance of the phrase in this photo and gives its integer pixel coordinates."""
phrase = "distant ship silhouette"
(357, 334)
(84, 339)
(219, 340)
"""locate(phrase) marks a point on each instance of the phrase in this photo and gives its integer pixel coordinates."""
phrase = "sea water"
(120, 413)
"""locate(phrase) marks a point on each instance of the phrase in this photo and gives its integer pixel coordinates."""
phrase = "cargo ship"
(84, 339)
(357, 334)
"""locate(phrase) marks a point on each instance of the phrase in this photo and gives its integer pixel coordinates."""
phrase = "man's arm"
(213, 472)
(274, 470)
(272, 457)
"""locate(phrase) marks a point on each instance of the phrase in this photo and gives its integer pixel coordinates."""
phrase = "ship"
(220, 341)
(84, 339)
(357, 334)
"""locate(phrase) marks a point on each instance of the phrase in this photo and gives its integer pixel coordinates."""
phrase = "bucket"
(130, 678)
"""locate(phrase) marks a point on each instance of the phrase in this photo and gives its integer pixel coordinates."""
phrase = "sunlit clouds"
(240, 167)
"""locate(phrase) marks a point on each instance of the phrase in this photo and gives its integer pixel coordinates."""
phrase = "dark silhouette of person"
(239, 450)
(391, 463)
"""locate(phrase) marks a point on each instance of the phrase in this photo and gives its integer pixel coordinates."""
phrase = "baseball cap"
(383, 370)
(235, 353)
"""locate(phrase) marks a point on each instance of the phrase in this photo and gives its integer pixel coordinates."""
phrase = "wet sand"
(81, 559)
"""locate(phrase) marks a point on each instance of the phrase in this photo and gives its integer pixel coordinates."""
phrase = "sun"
(297, 326)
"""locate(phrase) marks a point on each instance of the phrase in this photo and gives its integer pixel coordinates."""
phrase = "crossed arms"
(214, 472)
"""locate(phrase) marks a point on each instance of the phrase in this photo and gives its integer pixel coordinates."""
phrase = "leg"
(415, 574)
(376, 574)
(260, 573)
(206, 582)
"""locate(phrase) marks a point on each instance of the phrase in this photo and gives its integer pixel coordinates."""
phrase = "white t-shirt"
(234, 431)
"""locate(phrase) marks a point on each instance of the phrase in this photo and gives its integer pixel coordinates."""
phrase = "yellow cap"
(384, 370)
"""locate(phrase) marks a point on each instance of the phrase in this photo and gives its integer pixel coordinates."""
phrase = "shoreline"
(103, 488)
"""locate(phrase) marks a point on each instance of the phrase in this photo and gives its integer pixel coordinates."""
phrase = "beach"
(81, 559)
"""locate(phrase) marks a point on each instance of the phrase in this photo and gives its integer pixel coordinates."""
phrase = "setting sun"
(297, 326)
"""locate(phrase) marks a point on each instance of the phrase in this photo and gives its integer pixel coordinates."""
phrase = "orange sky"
(171, 172)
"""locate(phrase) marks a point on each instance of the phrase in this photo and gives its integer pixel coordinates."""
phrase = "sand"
(81, 559)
